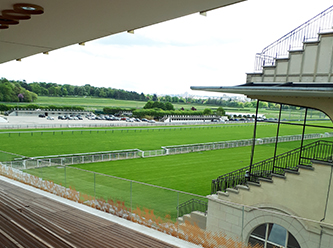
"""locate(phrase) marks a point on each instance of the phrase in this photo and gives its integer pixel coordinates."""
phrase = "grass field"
(191, 172)
(44, 143)
(91, 103)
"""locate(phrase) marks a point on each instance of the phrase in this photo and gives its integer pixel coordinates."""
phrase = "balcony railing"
(318, 150)
(294, 40)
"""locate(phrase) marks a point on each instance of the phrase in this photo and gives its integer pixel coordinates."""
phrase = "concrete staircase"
(240, 192)
(312, 63)
(194, 218)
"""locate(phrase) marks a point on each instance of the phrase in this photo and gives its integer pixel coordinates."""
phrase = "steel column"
(277, 137)
(254, 136)
(303, 132)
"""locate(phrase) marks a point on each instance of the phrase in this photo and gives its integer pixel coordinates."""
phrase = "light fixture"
(82, 43)
(20, 11)
(3, 26)
(19, 60)
(130, 31)
(46, 53)
(27, 8)
(11, 14)
(203, 13)
(7, 21)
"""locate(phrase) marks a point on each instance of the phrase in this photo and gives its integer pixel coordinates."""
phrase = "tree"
(149, 105)
(207, 111)
(169, 106)
(220, 111)
(155, 98)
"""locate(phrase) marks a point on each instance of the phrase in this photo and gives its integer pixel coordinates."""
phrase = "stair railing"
(294, 40)
(318, 150)
(192, 205)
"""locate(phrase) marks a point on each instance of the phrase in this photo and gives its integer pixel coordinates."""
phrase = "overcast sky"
(169, 57)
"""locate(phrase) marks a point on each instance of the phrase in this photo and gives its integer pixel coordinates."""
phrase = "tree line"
(14, 92)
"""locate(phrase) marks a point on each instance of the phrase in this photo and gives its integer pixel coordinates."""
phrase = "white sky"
(169, 57)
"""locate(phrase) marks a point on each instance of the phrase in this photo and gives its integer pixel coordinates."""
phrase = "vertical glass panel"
(114, 191)
(154, 202)
(292, 242)
(277, 234)
(194, 206)
(273, 246)
(256, 243)
(81, 181)
(260, 231)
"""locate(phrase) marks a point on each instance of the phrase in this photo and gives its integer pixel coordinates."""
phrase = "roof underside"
(275, 89)
(69, 22)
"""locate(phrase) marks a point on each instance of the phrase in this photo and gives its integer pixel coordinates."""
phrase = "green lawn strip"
(192, 172)
(53, 143)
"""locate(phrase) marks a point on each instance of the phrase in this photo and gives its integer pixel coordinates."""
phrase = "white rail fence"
(72, 159)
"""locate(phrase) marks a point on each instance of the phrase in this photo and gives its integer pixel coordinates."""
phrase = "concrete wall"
(302, 204)
(314, 63)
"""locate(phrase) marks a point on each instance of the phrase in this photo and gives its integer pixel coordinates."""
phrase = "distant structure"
(194, 118)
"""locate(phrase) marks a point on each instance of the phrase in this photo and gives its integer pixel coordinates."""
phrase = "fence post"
(65, 175)
(131, 197)
(95, 189)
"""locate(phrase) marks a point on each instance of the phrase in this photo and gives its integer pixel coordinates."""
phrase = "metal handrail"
(318, 150)
(294, 40)
(192, 205)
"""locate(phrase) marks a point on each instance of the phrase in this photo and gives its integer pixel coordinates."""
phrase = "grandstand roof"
(64, 23)
(300, 89)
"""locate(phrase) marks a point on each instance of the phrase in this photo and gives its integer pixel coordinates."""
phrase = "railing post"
(304, 124)
(277, 138)
(254, 136)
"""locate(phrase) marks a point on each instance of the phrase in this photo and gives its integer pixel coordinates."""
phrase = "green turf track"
(42, 143)
(186, 172)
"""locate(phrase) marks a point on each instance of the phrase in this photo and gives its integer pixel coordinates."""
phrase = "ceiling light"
(11, 14)
(3, 26)
(82, 43)
(27, 8)
(46, 53)
(203, 13)
(130, 31)
(19, 60)
(7, 21)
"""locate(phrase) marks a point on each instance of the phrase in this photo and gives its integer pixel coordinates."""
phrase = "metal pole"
(177, 210)
(303, 132)
(95, 189)
(131, 197)
(65, 176)
(254, 136)
(277, 137)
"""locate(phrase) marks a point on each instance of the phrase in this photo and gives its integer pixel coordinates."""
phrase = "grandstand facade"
(286, 200)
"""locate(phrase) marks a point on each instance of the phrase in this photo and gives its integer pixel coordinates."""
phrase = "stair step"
(278, 175)
(291, 171)
(253, 183)
(235, 191)
(226, 194)
(244, 187)
(180, 219)
(306, 167)
(265, 179)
